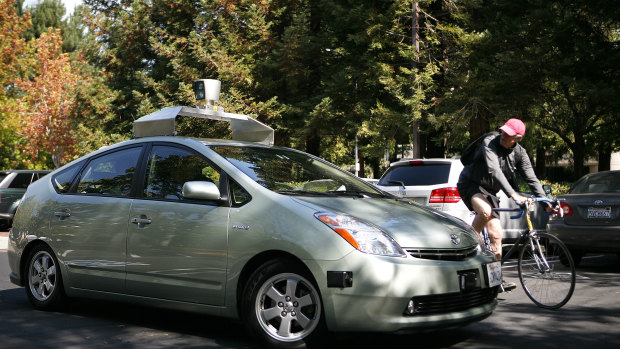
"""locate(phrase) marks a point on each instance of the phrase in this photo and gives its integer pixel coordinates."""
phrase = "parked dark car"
(13, 185)
(591, 221)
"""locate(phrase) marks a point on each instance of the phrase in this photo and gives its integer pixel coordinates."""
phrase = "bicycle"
(545, 265)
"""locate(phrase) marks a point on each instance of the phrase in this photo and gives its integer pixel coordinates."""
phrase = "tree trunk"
(541, 167)
(479, 124)
(416, 149)
(579, 155)
(604, 157)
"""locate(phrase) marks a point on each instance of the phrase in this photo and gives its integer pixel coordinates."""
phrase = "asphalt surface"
(590, 320)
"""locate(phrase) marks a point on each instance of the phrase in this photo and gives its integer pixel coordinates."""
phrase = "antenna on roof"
(207, 92)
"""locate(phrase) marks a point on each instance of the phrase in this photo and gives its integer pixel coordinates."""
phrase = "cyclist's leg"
(494, 229)
(484, 212)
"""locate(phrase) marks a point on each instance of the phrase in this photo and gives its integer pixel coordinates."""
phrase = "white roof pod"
(162, 122)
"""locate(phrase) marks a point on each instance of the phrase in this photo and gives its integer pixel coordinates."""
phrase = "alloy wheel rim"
(288, 307)
(42, 276)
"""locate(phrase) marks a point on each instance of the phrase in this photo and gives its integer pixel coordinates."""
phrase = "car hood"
(411, 225)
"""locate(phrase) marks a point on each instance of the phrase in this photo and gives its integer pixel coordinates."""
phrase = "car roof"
(24, 171)
(404, 162)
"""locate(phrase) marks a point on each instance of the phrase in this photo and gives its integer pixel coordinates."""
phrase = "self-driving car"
(288, 243)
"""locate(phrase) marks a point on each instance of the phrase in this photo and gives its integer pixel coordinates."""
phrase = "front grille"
(447, 254)
(451, 302)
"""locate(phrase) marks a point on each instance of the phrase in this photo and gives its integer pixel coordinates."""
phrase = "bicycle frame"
(526, 234)
(545, 266)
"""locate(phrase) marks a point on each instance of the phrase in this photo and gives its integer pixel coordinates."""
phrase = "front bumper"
(587, 237)
(383, 286)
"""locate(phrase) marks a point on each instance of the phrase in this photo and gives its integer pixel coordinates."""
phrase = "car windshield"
(418, 174)
(602, 182)
(295, 173)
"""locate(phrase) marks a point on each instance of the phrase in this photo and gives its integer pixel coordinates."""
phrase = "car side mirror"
(547, 188)
(199, 190)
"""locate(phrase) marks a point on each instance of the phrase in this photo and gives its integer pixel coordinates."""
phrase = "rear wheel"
(547, 271)
(281, 306)
(43, 280)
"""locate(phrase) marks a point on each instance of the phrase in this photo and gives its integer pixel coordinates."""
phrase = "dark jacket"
(494, 168)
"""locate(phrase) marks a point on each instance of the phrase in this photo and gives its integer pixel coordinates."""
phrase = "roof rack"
(244, 127)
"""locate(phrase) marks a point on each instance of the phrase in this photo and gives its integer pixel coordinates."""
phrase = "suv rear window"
(420, 174)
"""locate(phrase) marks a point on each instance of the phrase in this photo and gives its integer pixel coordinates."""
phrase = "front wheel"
(547, 271)
(281, 306)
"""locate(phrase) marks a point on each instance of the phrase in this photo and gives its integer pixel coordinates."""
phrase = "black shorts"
(467, 190)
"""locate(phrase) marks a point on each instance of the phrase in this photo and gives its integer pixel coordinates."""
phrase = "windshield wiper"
(361, 194)
(302, 192)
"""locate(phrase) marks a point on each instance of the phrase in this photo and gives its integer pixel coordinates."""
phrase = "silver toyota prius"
(285, 241)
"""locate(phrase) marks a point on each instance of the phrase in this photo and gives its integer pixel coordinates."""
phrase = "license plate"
(494, 273)
(599, 212)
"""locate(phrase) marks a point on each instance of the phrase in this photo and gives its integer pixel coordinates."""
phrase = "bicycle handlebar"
(521, 210)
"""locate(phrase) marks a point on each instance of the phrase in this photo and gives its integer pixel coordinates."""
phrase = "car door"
(177, 248)
(90, 221)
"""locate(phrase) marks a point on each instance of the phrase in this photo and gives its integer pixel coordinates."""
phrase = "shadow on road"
(516, 323)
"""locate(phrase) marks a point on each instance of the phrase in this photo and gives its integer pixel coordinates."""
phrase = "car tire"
(577, 256)
(282, 307)
(44, 285)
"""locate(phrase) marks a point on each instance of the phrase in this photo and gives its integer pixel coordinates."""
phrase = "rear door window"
(110, 174)
(419, 174)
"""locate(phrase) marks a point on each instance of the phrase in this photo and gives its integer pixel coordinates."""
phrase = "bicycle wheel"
(546, 271)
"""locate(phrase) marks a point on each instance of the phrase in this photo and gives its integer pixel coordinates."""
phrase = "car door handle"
(141, 220)
(63, 214)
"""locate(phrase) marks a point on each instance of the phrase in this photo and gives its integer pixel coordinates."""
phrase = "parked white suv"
(432, 182)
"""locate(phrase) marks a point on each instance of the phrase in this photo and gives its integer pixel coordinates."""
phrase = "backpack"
(471, 153)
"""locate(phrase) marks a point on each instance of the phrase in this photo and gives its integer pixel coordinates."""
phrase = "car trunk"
(592, 209)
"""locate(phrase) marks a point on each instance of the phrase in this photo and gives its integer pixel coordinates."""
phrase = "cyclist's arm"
(524, 166)
(495, 170)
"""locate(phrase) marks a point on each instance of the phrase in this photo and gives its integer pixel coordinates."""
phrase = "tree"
(12, 65)
(47, 123)
(50, 14)
(552, 63)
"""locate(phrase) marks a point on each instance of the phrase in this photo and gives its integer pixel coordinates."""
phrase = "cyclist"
(493, 168)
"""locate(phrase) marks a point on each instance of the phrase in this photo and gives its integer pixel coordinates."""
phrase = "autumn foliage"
(46, 109)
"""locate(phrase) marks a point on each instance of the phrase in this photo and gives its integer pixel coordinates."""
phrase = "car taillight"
(565, 209)
(444, 195)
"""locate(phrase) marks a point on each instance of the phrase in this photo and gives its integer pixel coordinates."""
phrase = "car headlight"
(363, 236)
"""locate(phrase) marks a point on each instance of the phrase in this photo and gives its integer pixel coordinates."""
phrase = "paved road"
(590, 320)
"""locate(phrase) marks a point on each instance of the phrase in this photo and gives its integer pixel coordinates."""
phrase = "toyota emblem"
(455, 239)
(598, 202)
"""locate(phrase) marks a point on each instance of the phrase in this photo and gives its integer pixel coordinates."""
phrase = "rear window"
(602, 182)
(422, 174)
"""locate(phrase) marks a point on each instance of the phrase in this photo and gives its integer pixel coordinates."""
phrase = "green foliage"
(557, 188)
(50, 14)
(553, 64)
(321, 72)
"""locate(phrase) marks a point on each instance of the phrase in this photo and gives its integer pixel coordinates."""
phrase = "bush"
(557, 188)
